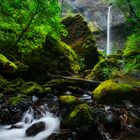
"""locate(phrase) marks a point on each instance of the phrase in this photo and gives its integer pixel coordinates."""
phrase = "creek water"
(51, 122)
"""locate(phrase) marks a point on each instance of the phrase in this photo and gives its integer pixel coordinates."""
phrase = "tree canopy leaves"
(24, 24)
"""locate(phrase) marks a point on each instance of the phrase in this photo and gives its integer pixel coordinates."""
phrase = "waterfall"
(51, 123)
(108, 49)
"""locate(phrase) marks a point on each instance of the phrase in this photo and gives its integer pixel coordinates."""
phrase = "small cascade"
(108, 49)
(18, 131)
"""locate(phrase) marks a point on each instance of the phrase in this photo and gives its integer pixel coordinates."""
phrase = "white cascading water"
(52, 125)
(108, 49)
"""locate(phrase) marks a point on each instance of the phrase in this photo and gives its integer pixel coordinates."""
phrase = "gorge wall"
(95, 12)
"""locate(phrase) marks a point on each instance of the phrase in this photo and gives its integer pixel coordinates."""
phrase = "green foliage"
(132, 52)
(133, 43)
(104, 69)
(26, 23)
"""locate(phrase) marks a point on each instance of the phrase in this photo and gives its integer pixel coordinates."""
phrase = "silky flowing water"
(51, 123)
(108, 49)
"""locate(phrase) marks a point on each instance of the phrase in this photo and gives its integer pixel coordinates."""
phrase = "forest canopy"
(24, 24)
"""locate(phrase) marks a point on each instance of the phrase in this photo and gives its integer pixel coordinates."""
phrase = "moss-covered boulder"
(111, 91)
(104, 69)
(53, 57)
(81, 39)
(15, 100)
(68, 100)
(6, 66)
(31, 88)
(80, 117)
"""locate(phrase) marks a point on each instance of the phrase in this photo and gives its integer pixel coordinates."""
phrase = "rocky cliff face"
(95, 11)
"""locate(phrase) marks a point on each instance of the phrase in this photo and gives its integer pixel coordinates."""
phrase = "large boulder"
(81, 117)
(114, 90)
(54, 57)
(80, 37)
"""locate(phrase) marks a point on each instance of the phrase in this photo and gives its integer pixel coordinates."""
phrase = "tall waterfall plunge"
(108, 48)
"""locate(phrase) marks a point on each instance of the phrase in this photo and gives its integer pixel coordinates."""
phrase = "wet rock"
(134, 117)
(112, 122)
(63, 135)
(17, 126)
(35, 129)
(12, 111)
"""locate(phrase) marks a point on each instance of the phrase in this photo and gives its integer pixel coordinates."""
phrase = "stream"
(19, 131)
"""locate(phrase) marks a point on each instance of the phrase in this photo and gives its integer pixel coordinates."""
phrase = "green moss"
(104, 69)
(71, 55)
(69, 100)
(17, 99)
(111, 91)
(47, 90)
(82, 40)
(81, 116)
(3, 83)
(54, 57)
(16, 83)
(6, 65)
(31, 88)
